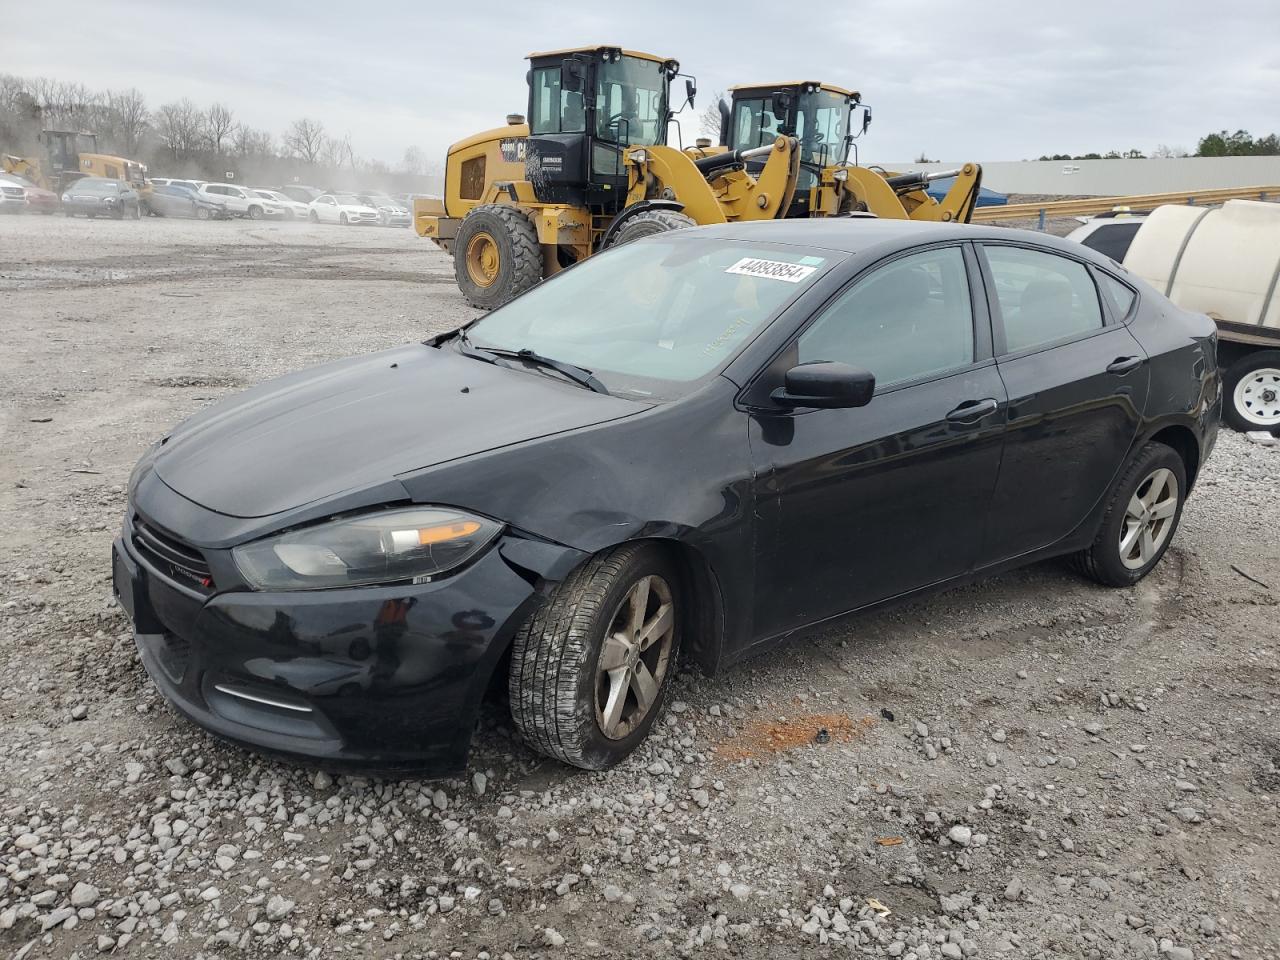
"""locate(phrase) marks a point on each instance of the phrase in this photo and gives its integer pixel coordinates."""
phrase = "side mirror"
(828, 384)
(690, 89)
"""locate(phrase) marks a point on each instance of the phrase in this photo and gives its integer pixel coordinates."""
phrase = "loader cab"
(818, 115)
(585, 107)
(64, 148)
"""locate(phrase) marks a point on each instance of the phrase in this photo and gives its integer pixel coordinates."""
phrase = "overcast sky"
(995, 80)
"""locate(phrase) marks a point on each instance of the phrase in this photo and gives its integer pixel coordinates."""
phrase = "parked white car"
(344, 208)
(244, 202)
(293, 209)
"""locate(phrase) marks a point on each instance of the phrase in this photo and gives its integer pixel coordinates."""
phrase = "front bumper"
(384, 678)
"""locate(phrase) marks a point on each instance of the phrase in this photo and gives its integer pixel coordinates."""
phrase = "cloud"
(993, 81)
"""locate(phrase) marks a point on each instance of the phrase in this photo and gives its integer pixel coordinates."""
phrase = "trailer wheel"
(1252, 391)
(648, 222)
(496, 256)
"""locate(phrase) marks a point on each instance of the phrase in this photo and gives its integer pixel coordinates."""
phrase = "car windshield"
(349, 198)
(266, 194)
(653, 318)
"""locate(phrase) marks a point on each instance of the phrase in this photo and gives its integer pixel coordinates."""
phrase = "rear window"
(1113, 239)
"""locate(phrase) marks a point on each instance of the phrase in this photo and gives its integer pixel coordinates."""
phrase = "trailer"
(1224, 262)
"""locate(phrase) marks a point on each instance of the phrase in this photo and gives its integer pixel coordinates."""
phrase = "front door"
(860, 505)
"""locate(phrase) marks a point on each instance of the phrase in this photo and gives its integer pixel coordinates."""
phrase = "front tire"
(648, 222)
(1251, 387)
(313, 217)
(202, 213)
(589, 667)
(342, 219)
(1141, 518)
(496, 256)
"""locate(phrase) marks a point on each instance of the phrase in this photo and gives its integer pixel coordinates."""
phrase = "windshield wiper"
(577, 374)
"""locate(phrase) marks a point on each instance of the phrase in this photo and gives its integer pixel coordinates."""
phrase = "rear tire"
(1251, 392)
(1140, 521)
(575, 652)
(496, 256)
(648, 222)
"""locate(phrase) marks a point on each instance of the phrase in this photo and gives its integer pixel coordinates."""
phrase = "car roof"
(858, 233)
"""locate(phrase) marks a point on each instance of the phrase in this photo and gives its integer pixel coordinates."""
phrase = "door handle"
(1123, 365)
(973, 410)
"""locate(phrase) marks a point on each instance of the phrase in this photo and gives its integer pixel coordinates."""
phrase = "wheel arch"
(703, 625)
(636, 208)
(1182, 439)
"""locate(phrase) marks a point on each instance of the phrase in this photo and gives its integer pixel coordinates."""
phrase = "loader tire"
(649, 222)
(496, 255)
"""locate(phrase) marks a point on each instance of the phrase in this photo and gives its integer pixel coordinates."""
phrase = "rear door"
(859, 505)
(1077, 384)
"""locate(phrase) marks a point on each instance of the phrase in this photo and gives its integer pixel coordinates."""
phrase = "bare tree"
(709, 119)
(1164, 152)
(127, 111)
(306, 139)
(217, 125)
(180, 127)
(338, 152)
(248, 142)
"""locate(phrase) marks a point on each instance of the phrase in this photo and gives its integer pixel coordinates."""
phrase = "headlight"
(413, 544)
(66, 198)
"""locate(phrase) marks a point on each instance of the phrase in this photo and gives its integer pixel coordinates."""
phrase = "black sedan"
(699, 444)
(101, 197)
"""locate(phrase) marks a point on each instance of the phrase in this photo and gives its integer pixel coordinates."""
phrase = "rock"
(440, 800)
(84, 895)
(1093, 728)
(1179, 953)
(79, 712)
(922, 729)
(446, 904)
(133, 772)
(322, 780)
(278, 908)
(105, 943)
(612, 893)
(479, 782)
(177, 766)
(679, 706)
(740, 892)
(56, 919)
(552, 937)
(1014, 890)
(999, 736)
(951, 951)
(960, 834)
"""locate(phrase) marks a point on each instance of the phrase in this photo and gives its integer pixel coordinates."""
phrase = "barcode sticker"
(771, 269)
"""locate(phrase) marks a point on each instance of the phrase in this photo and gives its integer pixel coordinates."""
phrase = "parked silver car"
(173, 200)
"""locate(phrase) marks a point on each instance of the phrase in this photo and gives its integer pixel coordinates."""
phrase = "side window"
(1043, 297)
(1120, 296)
(214, 188)
(908, 319)
(555, 110)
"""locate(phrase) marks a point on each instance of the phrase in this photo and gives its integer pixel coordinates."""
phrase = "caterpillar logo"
(513, 149)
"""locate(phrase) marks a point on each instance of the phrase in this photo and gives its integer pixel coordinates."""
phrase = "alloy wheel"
(1257, 397)
(1148, 519)
(634, 657)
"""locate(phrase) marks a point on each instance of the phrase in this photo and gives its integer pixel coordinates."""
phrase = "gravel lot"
(1031, 767)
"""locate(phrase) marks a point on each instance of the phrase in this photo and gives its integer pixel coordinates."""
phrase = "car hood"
(358, 423)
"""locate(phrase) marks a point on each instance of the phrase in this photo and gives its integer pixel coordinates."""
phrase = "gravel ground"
(1030, 767)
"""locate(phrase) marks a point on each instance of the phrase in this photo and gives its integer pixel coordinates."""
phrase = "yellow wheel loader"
(71, 155)
(820, 116)
(590, 168)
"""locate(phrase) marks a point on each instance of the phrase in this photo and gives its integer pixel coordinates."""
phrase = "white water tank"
(1222, 261)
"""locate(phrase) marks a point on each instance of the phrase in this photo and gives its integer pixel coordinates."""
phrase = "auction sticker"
(771, 269)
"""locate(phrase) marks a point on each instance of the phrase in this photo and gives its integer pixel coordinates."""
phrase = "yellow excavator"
(591, 168)
(71, 155)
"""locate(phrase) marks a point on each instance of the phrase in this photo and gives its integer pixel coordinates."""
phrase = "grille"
(179, 560)
(13, 191)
